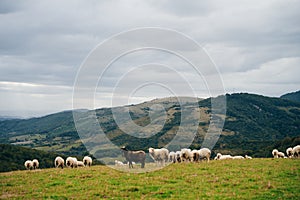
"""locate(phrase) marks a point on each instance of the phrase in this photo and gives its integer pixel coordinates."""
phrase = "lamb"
(159, 155)
(71, 162)
(59, 162)
(134, 156)
(172, 157)
(289, 152)
(238, 157)
(35, 163)
(80, 164)
(204, 153)
(87, 161)
(248, 157)
(28, 164)
(296, 151)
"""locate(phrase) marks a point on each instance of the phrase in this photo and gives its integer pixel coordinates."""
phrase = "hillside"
(227, 179)
(254, 125)
(13, 157)
(293, 96)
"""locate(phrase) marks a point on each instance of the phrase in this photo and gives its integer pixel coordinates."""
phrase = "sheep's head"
(151, 150)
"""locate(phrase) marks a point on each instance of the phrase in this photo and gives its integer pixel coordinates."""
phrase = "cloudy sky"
(254, 45)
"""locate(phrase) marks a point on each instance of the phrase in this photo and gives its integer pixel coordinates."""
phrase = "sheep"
(159, 155)
(35, 163)
(134, 156)
(119, 163)
(177, 156)
(223, 157)
(80, 164)
(275, 153)
(280, 154)
(28, 164)
(172, 157)
(238, 157)
(289, 152)
(296, 151)
(195, 155)
(71, 162)
(59, 162)
(186, 155)
(87, 161)
(204, 153)
(248, 157)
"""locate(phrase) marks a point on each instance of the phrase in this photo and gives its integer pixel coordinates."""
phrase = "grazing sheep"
(238, 157)
(178, 158)
(186, 155)
(28, 164)
(275, 153)
(223, 157)
(80, 164)
(159, 155)
(172, 157)
(289, 152)
(119, 163)
(59, 162)
(280, 154)
(204, 153)
(195, 155)
(71, 162)
(296, 151)
(134, 156)
(87, 161)
(248, 157)
(35, 163)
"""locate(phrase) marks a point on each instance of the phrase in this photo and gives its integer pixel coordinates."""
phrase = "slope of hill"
(293, 96)
(254, 125)
(13, 157)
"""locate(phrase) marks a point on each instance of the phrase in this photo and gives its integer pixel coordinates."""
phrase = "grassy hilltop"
(228, 179)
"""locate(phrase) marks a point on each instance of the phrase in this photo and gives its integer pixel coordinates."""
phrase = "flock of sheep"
(290, 152)
(160, 157)
(71, 162)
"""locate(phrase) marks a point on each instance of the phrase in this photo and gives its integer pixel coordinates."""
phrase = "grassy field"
(231, 179)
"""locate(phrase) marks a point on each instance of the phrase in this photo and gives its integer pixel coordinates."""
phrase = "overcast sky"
(255, 45)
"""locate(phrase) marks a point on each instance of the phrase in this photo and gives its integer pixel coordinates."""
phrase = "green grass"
(232, 179)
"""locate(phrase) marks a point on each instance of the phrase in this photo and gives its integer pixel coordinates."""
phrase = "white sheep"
(289, 152)
(204, 153)
(71, 162)
(195, 155)
(186, 155)
(80, 164)
(172, 157)
(178, 156)
(159, 155)
(275, 153)
(238, 157)
(87, 161)
(59, 162)
(296, 151)
(248, 157)
(28, 164)
(223, 157)
(280, 154)
(35, 164)
(119, 163)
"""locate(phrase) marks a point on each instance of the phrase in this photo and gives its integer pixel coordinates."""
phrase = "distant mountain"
(293, 96)
(254, 125)
(3, 118)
